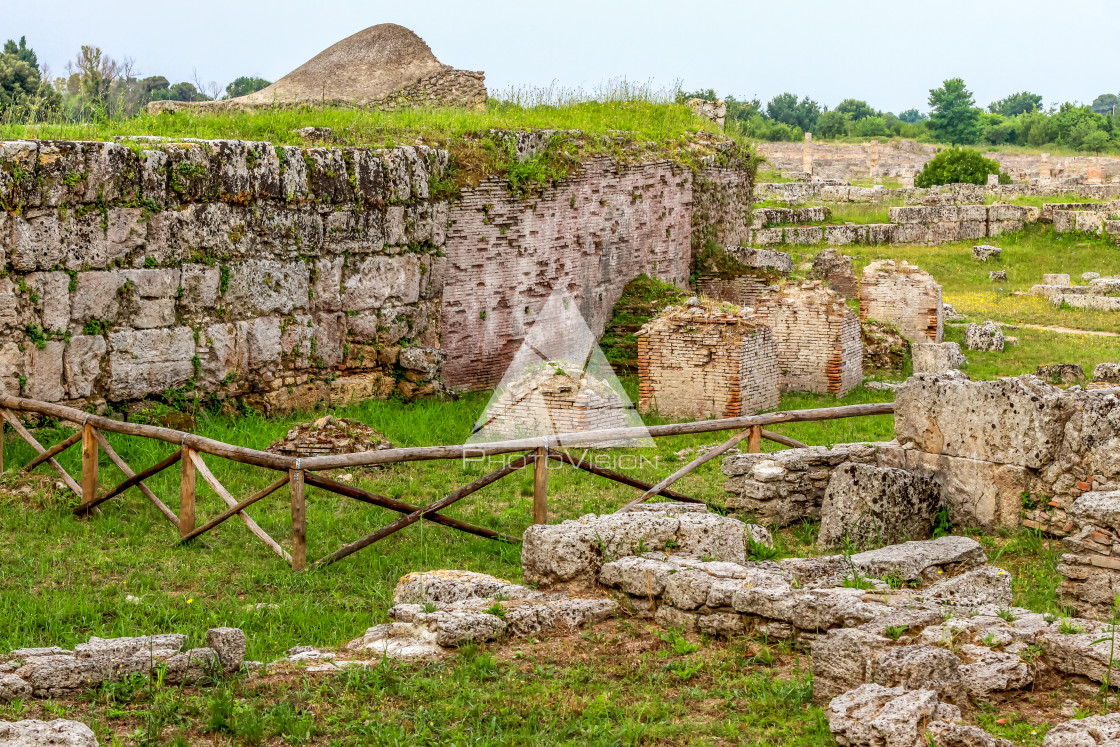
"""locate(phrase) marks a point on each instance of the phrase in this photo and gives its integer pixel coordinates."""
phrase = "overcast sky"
(888, 53)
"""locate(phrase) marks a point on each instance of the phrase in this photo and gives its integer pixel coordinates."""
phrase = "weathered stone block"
(143, 362)
(82, 363)
(868, 505)
(937, 357)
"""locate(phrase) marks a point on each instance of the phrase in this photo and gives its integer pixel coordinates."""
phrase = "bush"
(959, 166)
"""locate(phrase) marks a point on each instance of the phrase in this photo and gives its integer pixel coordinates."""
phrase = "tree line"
(953, 117)
(94, 86)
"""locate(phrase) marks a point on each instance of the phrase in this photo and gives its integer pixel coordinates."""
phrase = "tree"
(959, 166)
(855, 109)
(244, 85)
(871, 127)
(785, 108)
(187, 92)
(832, 124)
(22, 88)
(1095, 141)
(1023, 102)
(953, 117)
(912, 116)
(1106, 103)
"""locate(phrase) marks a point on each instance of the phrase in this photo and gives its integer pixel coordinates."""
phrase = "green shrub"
(959, 166)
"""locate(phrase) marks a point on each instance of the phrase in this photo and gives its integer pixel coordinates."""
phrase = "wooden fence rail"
(298, 474)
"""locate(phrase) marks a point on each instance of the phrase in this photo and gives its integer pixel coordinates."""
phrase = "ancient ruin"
(707, 360)
(556, 398)
(904, 295)
(383, 67)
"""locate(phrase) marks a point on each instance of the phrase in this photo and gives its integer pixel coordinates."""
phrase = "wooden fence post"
(754, 445)
(299, 519)
(540, 487)
(89, 464)
(186, 493)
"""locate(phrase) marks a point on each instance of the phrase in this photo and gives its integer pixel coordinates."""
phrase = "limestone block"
(984, 252)
(977, 493)
(153, 176)
(368, 175)
(229, 645)
(870, 505)
(200, 284)
(43, 367)
(161, 283)
(1019, 421)
(986, 337)
(456, 627)
(82, 364)
(224, 352)
(97, 297)
(262, 336)
(53, 289)
(921, 666)
(13, 688)
(264, 286)
(11, 368)
(157, 646)
(1090, 731)
(326, 279)
(125, 231)
(872, 715)
(882, 233)
(937, 357)
(372, 281)
(945, 734)
(1082, 654)
(802, 235)
(921, 559)
(447, 587)
(1058, 279)
(842, 660)
(59, 733)
(1109, 372)
(143, 362)
(1061, 373)
(989, 672)
(976, 588)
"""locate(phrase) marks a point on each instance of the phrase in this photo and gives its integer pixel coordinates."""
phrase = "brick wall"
(705, 362)
(817, 339)
(545, 403)
(905, 296)
(590, 234)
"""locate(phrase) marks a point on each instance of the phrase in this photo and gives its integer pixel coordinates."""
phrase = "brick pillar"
(807, 154)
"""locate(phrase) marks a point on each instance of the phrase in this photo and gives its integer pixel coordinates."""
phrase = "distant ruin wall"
(589, 235)
(848, 161)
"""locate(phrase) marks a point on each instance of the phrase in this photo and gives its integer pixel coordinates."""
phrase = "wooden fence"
(298, 474)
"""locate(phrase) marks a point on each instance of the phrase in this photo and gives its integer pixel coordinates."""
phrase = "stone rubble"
(986, 337)
(984, 252)
(51, 672)
(867, 505)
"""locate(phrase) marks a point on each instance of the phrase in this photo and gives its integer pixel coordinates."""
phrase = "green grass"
(1027, 255)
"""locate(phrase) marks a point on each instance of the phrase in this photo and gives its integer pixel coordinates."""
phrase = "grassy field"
(120, 572)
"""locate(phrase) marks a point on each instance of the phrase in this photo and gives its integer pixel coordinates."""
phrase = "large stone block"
(82, 362)
(867, 506)
(1018, 421)
(937, 357)
(259, 287)
(44, 371)
(977, 493)
(143, 362)
(373, 281)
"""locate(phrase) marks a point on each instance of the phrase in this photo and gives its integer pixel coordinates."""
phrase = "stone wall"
(1010, 447)
(785, 487)
(590, 234)
(905, 296)
(286, 276)
(817, 338)
(848, 161)
(795, 193)
(706, 362)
